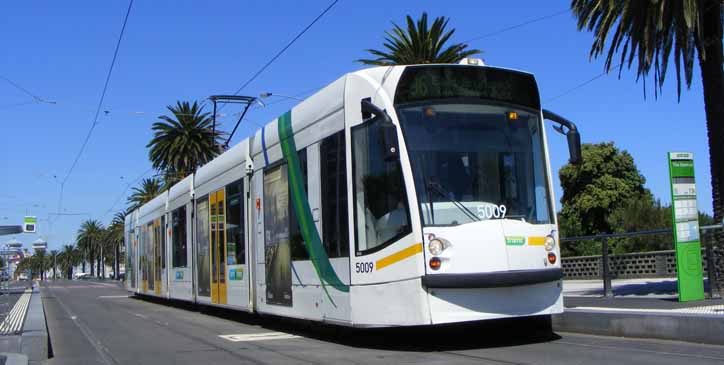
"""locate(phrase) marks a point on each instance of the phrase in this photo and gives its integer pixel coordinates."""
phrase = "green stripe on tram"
(312, 240)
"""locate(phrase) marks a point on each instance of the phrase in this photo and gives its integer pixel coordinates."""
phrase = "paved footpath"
(10, 292)
(97, 323)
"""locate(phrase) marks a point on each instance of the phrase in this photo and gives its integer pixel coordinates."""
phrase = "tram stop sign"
(30, 224)
(685, 217)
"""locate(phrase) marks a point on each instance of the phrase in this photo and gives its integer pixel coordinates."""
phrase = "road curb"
(34, 341)
(668, 326)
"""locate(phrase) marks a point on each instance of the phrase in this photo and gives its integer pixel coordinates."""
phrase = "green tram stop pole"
(685, 216)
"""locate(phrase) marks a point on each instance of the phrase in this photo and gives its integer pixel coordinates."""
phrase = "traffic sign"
(30, 224)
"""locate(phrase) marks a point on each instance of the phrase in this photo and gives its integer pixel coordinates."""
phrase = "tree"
(67, 259)
(183, 142)
(88, 240)
(117, 238)
(647, 32)
(607, 180)
(39, 263)
(419, 44)
(54, 257)
(149, 189)
(25, 265)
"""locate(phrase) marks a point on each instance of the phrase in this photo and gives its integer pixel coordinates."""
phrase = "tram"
(394, 196)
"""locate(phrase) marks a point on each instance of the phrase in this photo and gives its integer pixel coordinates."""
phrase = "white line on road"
(112, 296)
(266, 336)
(140, 315)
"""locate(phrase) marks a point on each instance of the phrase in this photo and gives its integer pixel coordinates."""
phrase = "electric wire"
(566, 92)
(278, 54)
(98, 109)
(123, 193)
(24, 90)
(515, 26)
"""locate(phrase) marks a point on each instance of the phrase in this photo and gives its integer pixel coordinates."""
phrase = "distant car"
(23, 277)
(122, 276)
(80, 275)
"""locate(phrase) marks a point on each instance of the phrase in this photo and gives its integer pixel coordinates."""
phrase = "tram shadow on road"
(450, 337)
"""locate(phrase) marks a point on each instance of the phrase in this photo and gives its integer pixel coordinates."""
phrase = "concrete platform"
(648, 317)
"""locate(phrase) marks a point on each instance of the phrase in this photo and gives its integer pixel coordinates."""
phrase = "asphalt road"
(96, 323)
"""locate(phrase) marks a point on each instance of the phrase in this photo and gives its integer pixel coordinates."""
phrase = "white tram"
(395, 196)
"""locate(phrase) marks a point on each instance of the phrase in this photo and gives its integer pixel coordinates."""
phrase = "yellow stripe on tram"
(398, 256)
(536, 241)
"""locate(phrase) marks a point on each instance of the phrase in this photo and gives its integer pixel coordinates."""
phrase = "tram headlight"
(436, 246)
(550, 243)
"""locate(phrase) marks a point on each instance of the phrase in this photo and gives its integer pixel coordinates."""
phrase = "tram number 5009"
(492, 211)
(364, 267)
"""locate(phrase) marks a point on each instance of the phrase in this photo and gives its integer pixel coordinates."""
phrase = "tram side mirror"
(388, 131)
(574, 146)
(572, 135)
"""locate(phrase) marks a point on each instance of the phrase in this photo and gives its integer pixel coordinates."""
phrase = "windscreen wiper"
(436, 187)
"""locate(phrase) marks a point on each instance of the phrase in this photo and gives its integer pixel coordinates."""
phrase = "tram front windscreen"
(474, 154)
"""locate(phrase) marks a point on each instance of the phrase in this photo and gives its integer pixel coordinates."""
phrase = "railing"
(652, 264)
(634, 265)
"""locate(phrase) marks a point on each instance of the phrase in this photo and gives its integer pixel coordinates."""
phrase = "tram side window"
(381, 207)
(235, 250)
(335, 230)
(299, 252)
(178, 237)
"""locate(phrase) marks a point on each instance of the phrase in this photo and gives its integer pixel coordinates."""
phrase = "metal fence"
(634, 265)
(654, 264)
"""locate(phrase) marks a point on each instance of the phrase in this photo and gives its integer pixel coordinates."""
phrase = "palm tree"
(647, 32)
(117, 239)
(67, 259)
(25, 264)
(39, 263)
(88, 238)
(419, 44)
(54, 260)
(183, 142)
(149, 189)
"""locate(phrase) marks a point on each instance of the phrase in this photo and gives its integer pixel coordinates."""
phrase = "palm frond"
(419, 44)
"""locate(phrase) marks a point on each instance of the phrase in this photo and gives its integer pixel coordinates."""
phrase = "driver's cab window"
(381, 208)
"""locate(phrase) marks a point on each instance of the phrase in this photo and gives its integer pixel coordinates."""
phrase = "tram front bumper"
(462, 304)
(495, 279)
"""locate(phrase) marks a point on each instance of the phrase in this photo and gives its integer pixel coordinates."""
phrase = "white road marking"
(140, 315)
(266, 336)
(112, 296)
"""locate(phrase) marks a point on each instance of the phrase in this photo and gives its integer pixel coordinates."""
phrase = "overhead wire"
(566, 92)
(123, 193)
(278, 54)
(515, 26)
(25, 91)
(98, 109)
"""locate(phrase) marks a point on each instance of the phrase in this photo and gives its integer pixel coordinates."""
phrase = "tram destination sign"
(685, 215)
(420, 83)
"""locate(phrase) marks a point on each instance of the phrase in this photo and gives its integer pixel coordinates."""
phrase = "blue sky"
(186, 50)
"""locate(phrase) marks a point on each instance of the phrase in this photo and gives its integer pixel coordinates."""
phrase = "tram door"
(217, 235)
